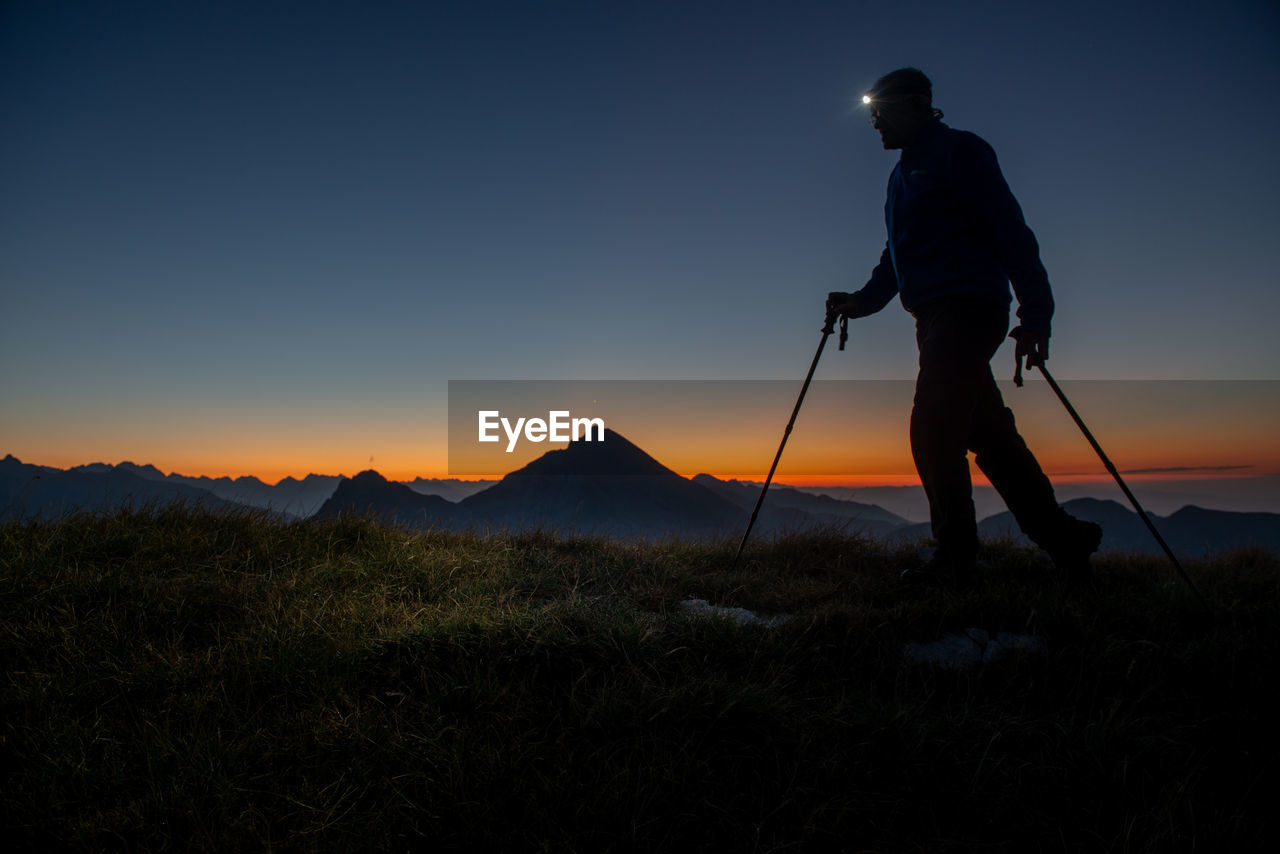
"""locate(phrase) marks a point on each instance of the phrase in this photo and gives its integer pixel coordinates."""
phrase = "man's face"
(884, 120)
(899, 121)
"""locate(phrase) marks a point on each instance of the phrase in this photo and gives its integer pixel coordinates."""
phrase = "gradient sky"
(261, 237)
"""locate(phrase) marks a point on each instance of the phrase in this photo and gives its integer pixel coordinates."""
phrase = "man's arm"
(872, 297)
(984, 190)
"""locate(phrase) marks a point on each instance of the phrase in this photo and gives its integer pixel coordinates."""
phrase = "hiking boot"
(941, 571)
(1071, 553)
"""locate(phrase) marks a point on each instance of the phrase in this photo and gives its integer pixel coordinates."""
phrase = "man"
(957, 239)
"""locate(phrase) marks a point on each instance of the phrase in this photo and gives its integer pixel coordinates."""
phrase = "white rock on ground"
(741, 616)
(971, 648)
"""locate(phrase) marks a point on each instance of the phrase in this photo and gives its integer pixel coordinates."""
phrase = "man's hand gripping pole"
(830, 327)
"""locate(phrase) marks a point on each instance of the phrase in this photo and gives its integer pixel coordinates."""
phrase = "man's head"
(901, 104)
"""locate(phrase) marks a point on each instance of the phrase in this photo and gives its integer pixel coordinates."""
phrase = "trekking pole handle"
(830, 327)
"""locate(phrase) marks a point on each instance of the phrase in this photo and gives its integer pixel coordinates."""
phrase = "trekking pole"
(1111, 467)
(826, 332)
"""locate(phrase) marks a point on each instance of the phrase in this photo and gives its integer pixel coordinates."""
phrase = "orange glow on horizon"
(1071, 470)
(825, 480)
(1152, 431)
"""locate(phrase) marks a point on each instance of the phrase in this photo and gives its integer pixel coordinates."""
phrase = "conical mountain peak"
(615, 455)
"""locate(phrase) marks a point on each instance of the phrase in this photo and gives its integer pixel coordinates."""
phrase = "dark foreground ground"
(179, 680)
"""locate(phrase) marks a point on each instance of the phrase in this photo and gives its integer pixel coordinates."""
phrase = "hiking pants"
(957, 409)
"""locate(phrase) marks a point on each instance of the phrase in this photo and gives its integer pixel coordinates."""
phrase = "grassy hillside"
(217, 681)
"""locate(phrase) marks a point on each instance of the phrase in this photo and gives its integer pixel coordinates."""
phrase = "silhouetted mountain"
(297, 498)
(1190, 532)
(613, 456)
(369, 493)
(907, 502)
(785, 507)
(148, 471)
(1122, 530)
(88, 468)
(610, 488)
(30, 492)
(450, 489)
(1252, 494)
(1197, 532)
(291, 496)
(607, 487)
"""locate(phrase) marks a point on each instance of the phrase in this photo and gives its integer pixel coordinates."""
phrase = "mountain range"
(291, 497)
(1242, 494)
(1191, 531)
(28, 491)
(610, 488)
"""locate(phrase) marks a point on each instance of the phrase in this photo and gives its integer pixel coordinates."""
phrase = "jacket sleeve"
(987, 195)
(881, 288)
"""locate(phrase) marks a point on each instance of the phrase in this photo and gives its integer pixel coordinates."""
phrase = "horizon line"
(829, 480)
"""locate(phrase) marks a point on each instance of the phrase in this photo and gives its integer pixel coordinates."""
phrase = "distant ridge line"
(612, 488)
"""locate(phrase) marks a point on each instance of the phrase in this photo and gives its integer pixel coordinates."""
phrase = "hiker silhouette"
(956, 241)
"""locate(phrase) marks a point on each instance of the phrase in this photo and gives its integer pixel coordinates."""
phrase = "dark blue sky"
(264, 215)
